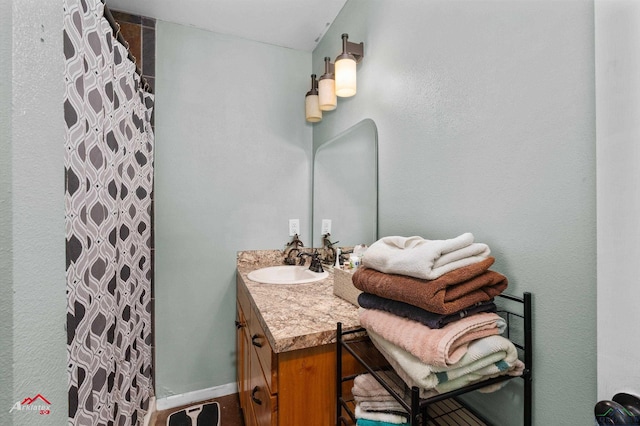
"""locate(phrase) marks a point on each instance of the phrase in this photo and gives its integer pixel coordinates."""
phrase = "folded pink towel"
(439, 347)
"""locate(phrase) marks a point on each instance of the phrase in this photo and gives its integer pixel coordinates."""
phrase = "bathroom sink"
(285, 274)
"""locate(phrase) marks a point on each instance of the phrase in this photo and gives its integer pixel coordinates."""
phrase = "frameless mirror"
(345, 186)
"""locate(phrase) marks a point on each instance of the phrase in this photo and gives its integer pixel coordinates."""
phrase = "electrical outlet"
(294, 227)
(326, 226)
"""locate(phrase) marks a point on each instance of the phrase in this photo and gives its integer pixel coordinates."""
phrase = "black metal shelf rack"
(446, 408)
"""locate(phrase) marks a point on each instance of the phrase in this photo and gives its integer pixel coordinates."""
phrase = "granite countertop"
(295, 316)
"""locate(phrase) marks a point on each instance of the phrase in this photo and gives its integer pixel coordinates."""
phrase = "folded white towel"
(486, 357)
(421, 258)
(380, 417)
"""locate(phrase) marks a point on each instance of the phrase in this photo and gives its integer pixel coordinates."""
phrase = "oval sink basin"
(285, 274)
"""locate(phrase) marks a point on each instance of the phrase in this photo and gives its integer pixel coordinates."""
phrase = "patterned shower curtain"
(109, 174)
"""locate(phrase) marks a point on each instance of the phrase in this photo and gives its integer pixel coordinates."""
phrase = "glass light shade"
(312, 109)
(345, 77)
(327, 94)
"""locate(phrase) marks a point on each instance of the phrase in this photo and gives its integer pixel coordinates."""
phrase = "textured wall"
(486, 122)
(617, 50)
(6, 231)
(37, 185)
(232, 166)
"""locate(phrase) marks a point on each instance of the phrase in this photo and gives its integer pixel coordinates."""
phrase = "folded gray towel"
(430, 319)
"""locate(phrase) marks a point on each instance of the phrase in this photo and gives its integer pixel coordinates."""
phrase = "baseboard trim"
(192, 397)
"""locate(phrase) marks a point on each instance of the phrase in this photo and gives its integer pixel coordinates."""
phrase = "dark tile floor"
(230, 414)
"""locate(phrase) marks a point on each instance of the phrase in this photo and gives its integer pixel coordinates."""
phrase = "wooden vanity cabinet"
(288, 388)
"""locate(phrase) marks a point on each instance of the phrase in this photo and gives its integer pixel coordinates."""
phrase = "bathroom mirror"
(345, 186)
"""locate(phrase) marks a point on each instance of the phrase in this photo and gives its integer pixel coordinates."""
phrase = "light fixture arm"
(354, 49)
(314, 85)
(329, 67)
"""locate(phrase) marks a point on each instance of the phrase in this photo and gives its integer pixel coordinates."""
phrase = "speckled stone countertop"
(295, 316)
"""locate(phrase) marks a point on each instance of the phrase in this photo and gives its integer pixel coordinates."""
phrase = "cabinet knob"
(253, 341)
(239, 325)
(253, 395)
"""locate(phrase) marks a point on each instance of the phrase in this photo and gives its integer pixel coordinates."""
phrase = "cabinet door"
(243, 371)
(265, 355)
(240, 348)
(263, 403)
(307, 384)
(249, 414)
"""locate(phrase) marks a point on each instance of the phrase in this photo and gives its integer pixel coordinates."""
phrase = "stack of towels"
(374, 405)
(428, 307)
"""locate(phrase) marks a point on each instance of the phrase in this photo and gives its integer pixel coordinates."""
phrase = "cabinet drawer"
(264, 404)
(257, 337)
(267, 358)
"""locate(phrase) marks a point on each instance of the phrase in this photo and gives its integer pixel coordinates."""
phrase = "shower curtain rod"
(116, 29)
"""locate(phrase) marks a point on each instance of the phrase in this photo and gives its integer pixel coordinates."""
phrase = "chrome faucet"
(316, 264)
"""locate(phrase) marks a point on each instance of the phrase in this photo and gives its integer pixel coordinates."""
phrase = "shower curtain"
(108, 183)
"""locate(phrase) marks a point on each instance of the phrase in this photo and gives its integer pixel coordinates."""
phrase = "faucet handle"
(316, 263)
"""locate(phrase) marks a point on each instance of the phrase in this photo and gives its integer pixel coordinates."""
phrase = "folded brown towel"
(453, 291)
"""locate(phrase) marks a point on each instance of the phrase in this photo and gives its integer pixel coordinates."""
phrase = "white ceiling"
(297, 24)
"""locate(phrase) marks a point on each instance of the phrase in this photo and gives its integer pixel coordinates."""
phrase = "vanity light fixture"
(327, 87)
(311, 102)
(345, 67)
(339, 79)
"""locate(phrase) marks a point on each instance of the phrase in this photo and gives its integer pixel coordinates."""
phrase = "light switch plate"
(294, 227)
(326, 226)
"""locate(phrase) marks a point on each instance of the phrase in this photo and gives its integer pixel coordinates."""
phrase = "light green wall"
(486, 123)
(6, 203)
(489, 105)
(33, 139)
(232, 165)
(618, 108)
